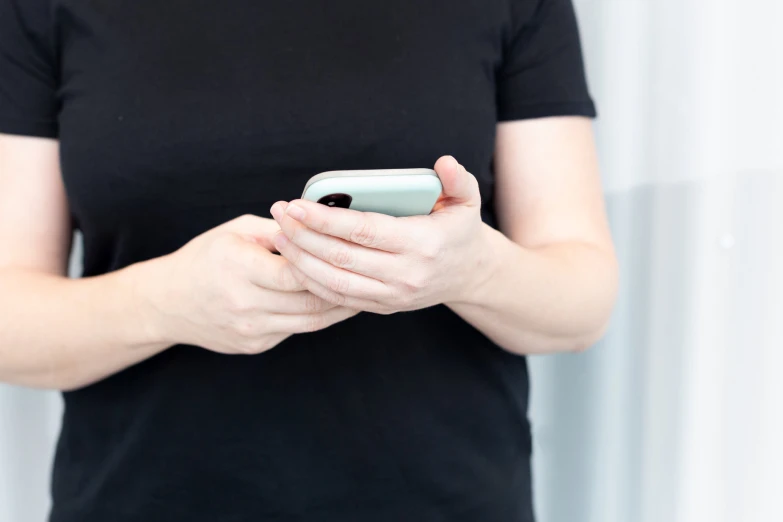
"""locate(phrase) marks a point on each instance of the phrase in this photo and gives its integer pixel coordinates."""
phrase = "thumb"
(459, 186)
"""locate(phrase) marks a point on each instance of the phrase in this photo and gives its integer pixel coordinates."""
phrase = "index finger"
(368, 229)
(268, 270)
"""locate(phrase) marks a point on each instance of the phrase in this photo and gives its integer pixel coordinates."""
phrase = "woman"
(212, 360)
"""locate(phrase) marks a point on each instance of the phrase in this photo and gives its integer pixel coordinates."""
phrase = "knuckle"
(385, 310)
(239, 305)
(322, 226)
(313, 303)
(402, 301)
(294, 233)
(416, 281)
(231, 252)
(246, 330)
(238, 223)
(431, 250)
(244, 225)
(264, 344)
(246, 219)
(314, 322)
(246, 347)
(254, 346)
(336, 299)
(327, 298)
(338, 284)
(364, 233)
(401, 243)
(341, 257)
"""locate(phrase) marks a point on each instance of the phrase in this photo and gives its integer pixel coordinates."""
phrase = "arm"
(224, 290)
(552, 278)
(547, 286)
(55, 332)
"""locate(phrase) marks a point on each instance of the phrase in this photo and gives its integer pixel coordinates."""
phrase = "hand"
(382, 264)
(227, 292)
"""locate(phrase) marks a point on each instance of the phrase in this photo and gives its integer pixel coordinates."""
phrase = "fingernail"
(280, 240)
(296, 212)
(276, 210)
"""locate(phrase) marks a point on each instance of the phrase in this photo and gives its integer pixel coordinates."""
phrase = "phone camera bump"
(336, 200)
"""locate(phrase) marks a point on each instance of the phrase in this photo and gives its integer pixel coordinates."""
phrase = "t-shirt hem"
(38, 129)
(544, 110)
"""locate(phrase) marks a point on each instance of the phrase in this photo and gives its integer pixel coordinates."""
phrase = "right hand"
(227, 292)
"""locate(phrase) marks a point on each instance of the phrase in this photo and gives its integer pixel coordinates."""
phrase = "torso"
(179, 115)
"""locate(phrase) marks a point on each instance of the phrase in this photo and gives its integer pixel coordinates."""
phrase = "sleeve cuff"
(543, 110)
(34, 128)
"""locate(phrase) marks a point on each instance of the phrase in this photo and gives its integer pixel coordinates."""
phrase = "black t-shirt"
(175, 116)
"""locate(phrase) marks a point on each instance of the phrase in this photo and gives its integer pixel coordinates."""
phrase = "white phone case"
(395, 192)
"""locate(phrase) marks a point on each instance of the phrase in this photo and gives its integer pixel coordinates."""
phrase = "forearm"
(550, 299)
(67, 333)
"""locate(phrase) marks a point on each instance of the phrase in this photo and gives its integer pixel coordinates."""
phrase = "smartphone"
(394, 192)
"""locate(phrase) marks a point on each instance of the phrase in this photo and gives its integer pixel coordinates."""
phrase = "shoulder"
(29, 13)
(531, 14)
(29, 19)
(28, 68)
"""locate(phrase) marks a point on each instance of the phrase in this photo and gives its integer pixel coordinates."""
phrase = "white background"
(678, 414)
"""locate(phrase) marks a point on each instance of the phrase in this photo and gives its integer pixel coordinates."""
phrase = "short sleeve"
(28, 79)
(543, 72)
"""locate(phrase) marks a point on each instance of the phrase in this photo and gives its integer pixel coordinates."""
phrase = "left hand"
(377, 263)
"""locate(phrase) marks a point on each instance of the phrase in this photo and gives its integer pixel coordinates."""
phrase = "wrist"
(486, 259)
(145, 304)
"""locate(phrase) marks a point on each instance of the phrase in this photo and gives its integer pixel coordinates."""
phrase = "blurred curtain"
(676, 416)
